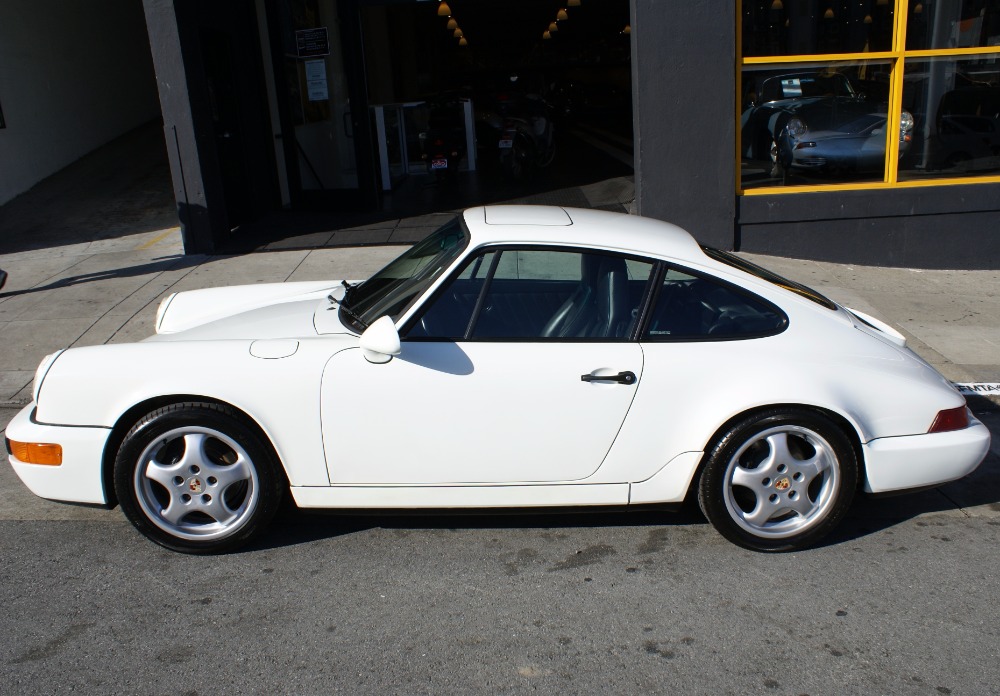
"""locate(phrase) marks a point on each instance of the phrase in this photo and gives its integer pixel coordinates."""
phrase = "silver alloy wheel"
(776, 168)
(196, 483)
(781, 482)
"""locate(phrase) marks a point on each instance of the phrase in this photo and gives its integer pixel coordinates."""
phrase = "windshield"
(392, 290)
(770, 277)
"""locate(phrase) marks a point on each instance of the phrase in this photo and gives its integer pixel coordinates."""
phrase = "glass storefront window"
(953, 24)
(956, 105)
(868, 93)
(812, 27)
(814, 123)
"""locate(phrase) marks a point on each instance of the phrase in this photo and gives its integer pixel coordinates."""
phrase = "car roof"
(540, 224)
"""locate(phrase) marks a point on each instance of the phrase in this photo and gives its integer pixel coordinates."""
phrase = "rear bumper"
(78, 479)
(916, 461)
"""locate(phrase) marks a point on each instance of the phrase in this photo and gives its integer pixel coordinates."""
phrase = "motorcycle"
(527, 139)
(443, 144)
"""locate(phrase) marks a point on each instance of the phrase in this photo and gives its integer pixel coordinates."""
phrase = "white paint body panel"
(478, 424)
(79, 477)
(461, 497)
(898, 463)
(186, 310)
(475, 412)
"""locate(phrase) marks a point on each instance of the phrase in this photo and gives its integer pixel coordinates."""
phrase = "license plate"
(439, 164)
(506, 143)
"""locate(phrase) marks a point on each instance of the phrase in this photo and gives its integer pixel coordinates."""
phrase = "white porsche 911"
(518, 357)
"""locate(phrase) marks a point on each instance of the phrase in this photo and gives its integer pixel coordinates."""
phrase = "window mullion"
(893, 130)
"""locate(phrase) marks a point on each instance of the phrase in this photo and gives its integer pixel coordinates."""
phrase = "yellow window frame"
(897, 59)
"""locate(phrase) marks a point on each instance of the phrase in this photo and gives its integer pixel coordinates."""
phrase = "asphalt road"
(902, 600)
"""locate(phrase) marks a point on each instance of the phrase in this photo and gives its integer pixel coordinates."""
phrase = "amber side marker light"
(950, 419)
(36, 452)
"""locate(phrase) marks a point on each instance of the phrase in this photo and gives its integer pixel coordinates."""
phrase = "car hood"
(271, 310)
(833, 135)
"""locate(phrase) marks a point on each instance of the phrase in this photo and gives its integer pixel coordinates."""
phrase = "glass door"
(323, 106)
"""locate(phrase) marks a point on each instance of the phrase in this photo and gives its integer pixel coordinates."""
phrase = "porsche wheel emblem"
(195, 485)
(783, 484)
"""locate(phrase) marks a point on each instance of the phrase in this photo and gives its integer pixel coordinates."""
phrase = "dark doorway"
(536, 63)
(229, 108)
(322, 104)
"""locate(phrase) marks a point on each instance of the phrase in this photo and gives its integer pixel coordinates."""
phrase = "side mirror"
(380, 341)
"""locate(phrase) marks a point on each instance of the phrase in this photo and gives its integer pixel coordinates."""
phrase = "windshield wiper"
(342, 304)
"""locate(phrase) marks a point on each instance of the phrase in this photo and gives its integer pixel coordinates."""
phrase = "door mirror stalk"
(380, 341)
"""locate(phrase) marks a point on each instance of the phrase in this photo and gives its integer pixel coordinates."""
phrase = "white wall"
(74, 75)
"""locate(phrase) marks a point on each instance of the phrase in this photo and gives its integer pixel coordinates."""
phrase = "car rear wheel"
(196, 478)
(778, 170)
(778, 480)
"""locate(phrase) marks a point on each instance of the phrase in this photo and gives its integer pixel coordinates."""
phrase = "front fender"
(95, 386)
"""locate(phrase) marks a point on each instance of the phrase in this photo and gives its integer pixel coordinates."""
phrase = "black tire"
(516, 161)
(779, 480)
(778, 170)
(197, 478)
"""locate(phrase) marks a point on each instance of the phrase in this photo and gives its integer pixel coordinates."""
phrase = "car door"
(521, 368)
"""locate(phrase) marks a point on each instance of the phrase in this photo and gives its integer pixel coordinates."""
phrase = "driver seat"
(599, 306)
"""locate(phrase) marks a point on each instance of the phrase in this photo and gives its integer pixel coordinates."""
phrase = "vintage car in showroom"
(819, 123)
(519, 357)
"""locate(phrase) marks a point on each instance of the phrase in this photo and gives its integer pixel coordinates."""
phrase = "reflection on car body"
(855, 146)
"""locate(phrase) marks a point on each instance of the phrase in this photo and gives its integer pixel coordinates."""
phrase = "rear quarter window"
(695, 308)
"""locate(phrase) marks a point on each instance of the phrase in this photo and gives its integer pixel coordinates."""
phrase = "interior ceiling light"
(868, 19)
(918, 8)
(463, 42)
(553, 26)
(627, 29)
(573, 3)
(546, 35)
(444, 10)
(458, 33)
(882, 2)
(452, 24)
(828, 14)
(561, 15)
(777, 5)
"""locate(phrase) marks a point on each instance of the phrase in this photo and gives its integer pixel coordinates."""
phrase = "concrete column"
(684, 115)
(201, 225)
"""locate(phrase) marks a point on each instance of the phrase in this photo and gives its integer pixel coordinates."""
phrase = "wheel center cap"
(783, 484)
(195, 484)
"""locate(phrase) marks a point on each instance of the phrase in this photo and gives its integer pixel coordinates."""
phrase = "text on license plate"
(506, 143)
(439, 164)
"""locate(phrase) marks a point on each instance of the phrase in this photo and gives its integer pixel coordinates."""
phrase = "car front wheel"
(196, 478)
(778, 480)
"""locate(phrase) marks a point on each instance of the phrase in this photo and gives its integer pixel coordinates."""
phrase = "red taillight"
(950, 419)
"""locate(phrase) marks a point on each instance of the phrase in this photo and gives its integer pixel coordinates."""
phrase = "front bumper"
(78, 479)
(917, 461)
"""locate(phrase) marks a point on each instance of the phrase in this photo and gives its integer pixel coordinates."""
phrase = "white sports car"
(519, 357)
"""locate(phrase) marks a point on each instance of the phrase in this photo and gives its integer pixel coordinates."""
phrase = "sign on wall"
(312, 42)
(316, 87)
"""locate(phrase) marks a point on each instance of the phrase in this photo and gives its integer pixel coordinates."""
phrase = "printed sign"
(980, 388)
(312, 42)
(316, 80)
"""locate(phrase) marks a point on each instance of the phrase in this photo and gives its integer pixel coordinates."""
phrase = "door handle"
(621, 378)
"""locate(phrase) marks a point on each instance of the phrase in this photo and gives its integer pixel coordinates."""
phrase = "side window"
(537, 293)
(449, 313)
(691, 307)
(561, 294)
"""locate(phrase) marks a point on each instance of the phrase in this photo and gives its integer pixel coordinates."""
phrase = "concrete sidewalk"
(106, 291)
